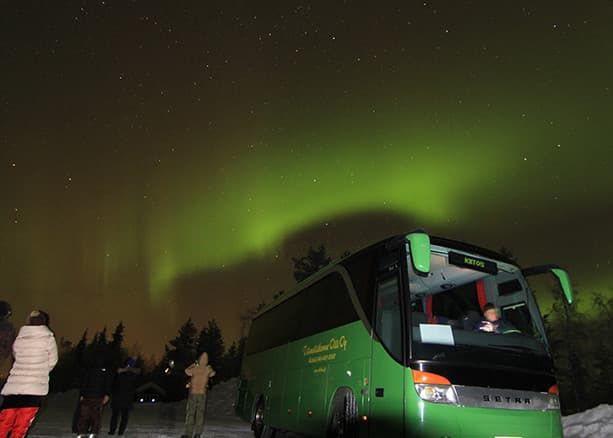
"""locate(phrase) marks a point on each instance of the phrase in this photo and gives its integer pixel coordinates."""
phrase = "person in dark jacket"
(124, 388)
(7, 331)
(7, 335)
(95, 392)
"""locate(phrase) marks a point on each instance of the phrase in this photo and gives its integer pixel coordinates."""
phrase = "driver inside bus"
(492, 321)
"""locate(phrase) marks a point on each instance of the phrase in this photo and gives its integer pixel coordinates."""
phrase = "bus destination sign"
(470, 262)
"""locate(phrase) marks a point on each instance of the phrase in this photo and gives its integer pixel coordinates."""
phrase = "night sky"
(161, 160)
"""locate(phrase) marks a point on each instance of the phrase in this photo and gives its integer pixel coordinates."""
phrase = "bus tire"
(257, 425)
(344, 415)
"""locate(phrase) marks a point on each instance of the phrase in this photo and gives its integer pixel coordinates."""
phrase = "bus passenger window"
(387, 316)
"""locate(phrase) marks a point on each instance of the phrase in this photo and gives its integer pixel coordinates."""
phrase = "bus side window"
(387, 316)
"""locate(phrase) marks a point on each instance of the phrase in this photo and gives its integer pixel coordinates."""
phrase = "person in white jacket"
(35, 355)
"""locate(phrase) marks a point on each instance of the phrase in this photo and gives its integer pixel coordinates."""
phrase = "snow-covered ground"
(593, 423)
(160, 421)
(166, 419)
(157, 420)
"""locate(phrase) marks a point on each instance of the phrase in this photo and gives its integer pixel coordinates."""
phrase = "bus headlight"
(437, 393)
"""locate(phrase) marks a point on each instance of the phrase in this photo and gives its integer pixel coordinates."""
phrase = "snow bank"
(222, 398)
(593, 423)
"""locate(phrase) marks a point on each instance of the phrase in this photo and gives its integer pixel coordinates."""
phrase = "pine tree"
(117, 355)
(211, 341)
(66, 373)
(117, 336)
(64, 345)
(566, 332)
(506, 252)
(307, 265)
(96, 350)
(62, 374)
(83, 341)
(603, 350)
(101, 340)
(183, 350)
(232, 360)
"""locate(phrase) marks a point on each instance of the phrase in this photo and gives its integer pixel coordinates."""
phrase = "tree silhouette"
(567, 329)
(63, 375)
(183, 351)
(211, 341)
(80, 347)
(231, 361)
(506, 252)
(603, 349)
(74, 359)
(115, 350)
(307, 265)
(100, 338)
(117, 336)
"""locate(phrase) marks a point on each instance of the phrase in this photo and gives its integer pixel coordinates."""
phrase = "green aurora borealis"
(160, 162)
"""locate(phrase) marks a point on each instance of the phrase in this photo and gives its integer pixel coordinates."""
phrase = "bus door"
(387, 380)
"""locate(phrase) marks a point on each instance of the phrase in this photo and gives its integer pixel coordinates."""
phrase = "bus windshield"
(470, 304)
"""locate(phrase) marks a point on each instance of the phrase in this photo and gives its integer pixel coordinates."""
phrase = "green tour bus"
(385, 343)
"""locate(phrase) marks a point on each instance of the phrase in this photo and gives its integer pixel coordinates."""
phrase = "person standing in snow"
(7, 331)
(124, 388)
(7, 335)
(200, 372)
(35, 354)
(95, 392)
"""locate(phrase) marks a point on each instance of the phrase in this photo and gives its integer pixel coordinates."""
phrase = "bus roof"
(439, 241)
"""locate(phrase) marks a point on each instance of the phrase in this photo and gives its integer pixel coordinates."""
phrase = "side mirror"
(419, 243)
(559, 273)
(562, 276)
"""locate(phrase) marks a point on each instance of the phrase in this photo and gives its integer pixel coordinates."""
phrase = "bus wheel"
(343, 423)
(258, 419)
